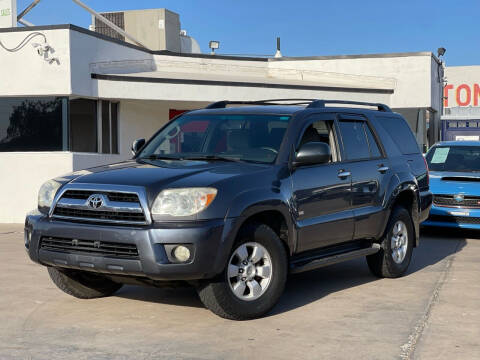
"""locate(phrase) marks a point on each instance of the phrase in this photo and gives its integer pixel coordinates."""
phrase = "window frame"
(333, 135)
(111, 134)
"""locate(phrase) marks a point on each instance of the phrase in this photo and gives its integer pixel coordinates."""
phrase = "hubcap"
(399, 242)
(249, 271)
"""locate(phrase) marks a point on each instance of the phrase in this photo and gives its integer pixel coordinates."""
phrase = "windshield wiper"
(212, 158)
(159, 157)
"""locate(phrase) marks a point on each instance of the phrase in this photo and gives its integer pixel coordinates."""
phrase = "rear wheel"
(82, 284)
(253, 279)
(397, 246)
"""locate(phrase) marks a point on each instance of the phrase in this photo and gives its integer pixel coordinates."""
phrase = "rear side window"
(354, 139)
(400, 133)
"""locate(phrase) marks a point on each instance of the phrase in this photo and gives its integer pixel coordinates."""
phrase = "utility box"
(8, 13)
(158, 29)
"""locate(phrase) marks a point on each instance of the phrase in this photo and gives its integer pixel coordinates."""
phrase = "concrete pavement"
(337, 312)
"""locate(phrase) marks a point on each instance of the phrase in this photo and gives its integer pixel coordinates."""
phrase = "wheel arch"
(407, 196)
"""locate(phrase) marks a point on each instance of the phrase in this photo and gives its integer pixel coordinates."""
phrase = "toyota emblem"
(95, 201)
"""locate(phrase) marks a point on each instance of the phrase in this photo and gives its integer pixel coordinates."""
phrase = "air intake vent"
(118, 18)
(461, 178)
(93, 247)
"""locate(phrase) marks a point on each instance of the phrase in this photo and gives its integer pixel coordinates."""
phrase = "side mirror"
(312, 153)
(137, 145)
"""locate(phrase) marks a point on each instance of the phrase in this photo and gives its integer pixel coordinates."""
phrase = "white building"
(85, 100)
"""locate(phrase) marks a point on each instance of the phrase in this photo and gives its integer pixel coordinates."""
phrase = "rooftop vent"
(157, 29)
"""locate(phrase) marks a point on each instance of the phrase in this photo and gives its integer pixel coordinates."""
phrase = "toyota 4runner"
(231, 199)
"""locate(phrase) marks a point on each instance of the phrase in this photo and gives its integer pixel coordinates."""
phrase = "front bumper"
(453, 217)
(426, 199)
(210, 241)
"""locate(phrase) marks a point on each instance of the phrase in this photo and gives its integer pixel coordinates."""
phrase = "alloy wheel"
(249, 271)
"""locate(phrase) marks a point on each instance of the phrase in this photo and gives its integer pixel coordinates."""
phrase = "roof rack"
(322, 103)
(310, 103)
(224, 103)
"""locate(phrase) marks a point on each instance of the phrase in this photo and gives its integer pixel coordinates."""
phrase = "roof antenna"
(278, 54)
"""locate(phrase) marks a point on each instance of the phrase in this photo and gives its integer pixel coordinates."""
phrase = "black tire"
(217, 294)
(382, 263)
(82, 284)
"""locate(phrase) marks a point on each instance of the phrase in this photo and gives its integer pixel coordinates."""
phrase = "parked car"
(233, 199)
(455, 182)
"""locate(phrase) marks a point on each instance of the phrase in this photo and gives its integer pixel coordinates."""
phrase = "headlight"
(47, 193)
(183, 202)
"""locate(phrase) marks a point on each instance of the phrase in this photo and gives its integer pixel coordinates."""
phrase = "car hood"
(162, 173)
(455, 183)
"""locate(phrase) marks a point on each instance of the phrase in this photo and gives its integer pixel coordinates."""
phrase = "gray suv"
(231, 199)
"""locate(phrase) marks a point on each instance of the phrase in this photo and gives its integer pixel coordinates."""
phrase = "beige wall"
(157, 29)
(22, 174)
(24, 72)
(411, 74)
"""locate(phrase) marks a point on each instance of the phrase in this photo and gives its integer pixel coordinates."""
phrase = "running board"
(329, 260)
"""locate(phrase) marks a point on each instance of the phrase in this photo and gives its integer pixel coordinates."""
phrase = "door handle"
(382, 169)
(342, 174)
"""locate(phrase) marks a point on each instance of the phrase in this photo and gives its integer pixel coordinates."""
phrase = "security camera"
(42, 49)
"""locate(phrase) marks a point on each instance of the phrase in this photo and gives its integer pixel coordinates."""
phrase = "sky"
(306, 27)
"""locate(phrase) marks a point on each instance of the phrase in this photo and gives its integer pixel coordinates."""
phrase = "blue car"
(455, 183)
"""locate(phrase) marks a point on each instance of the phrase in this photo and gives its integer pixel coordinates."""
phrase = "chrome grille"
(123, 205)
(91, 247)
(112, 196)
(448, 200)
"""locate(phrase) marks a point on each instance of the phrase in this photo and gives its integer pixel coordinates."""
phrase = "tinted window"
(105, 127)
(401, 134)
(242, 137)
(109, 127)
(355, 143)
(114, 127)
(454, 158)
(30, 124)
(83, 125)
(374, 149)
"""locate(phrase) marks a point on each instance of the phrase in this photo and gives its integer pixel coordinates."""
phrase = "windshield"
(254, 138)
(454, 158)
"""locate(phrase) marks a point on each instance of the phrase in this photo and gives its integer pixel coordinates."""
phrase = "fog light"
(181, 253)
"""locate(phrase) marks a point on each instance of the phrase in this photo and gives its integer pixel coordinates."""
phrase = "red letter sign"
(476, 94)
(468, 97)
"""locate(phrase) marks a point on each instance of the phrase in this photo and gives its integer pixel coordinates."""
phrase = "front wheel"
(396, 248)
(253, 279)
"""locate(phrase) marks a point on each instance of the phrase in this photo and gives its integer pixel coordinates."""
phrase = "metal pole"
(27, 10)
(25, 22)
(109, 23)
